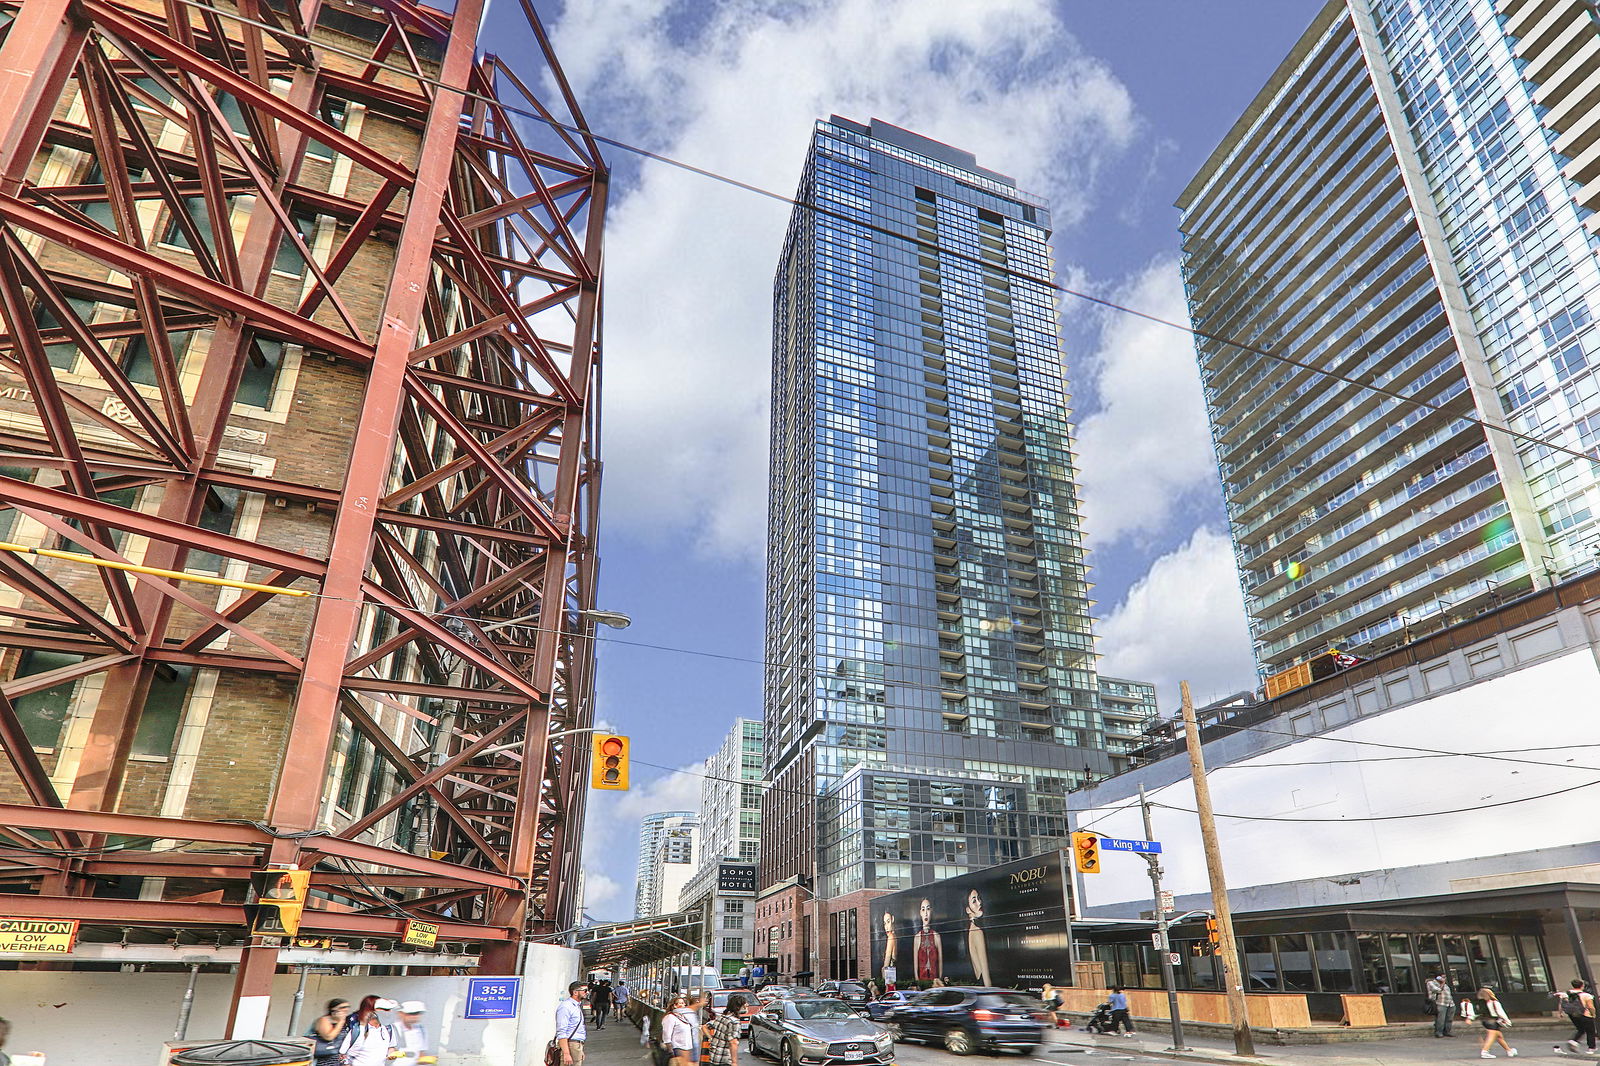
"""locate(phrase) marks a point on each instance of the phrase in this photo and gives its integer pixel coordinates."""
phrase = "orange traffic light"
(1086, 853)
(609, 768)
(1213, 932)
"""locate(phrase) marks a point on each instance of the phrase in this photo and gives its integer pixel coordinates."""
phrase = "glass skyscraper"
(932, 692)
(1392, 208)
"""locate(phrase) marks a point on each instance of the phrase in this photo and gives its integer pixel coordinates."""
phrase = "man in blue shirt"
(570, 1031)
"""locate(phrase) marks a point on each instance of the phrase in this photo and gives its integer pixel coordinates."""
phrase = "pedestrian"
(368, 1039)
(872, 989)
(600, 998)
(1120, 1018)
(570, 1030)
(412, 1033)
(725, 1033)
(744, 977)
(619, 996)
(1442, 1000)
(5, 1031)
(326, 1032)
(706, 1012)
(1053, 1001)
(1486, 1008)
(680, 1032)
(1579, 1008)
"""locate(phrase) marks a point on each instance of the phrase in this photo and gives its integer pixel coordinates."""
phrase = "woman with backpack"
(368, 1039)
(1579, 1008)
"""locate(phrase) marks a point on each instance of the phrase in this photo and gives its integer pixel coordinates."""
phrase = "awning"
(640, 941)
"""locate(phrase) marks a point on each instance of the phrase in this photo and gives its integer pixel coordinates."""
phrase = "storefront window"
(1455, 961)
(1428, 959)
(1533, 962)
(1260, 968)
(1374, 971)
(1511, 972)
(1482, 960)
(1402, 964)
(1202, 968)
(1294, 962)
(1334, 971)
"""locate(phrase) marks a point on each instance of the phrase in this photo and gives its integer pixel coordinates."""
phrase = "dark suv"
(965, 1020)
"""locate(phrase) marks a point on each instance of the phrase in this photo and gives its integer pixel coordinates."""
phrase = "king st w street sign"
(1146, 847)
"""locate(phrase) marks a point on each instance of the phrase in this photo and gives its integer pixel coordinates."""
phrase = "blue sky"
(1106, 106)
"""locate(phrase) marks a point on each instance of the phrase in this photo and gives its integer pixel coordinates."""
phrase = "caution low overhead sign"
(37, 936)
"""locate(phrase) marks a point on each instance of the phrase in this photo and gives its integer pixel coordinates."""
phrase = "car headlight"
(811, 1041)
(883, 1040)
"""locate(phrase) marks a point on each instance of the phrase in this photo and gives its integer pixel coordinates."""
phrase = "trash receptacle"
(246, 1053)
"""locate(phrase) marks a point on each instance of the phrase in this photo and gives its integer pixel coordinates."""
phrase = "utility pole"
(1238, 1012)
(1164, 947)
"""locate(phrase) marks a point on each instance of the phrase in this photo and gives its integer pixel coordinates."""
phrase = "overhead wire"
(886, 231)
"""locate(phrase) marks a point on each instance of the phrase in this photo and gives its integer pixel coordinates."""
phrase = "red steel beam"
(176, 914)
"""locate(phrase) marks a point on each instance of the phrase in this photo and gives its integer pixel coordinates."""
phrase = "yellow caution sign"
(421, 934)
(37, 936)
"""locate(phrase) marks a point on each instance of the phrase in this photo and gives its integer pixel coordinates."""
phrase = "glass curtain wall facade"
(928, 595)
(730, 797)
(647, 884)
(1390, 209)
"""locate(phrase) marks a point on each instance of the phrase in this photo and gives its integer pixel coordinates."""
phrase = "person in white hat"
(413, 1035)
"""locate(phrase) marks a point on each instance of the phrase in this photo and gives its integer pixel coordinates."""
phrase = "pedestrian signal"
(1086, 853)
(609, 768)
(1213, 932)
(280, 899)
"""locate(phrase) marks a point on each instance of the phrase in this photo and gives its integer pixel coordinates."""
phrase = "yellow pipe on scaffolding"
(153, 571)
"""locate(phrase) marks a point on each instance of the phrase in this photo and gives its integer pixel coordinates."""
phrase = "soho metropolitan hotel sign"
(736, 877)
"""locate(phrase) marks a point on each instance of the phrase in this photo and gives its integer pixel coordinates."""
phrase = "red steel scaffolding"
(296, 295)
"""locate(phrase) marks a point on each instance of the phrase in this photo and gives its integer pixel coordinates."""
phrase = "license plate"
(852, 1056)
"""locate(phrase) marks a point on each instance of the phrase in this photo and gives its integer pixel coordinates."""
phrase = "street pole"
(1164, 947)
(1238, 1012)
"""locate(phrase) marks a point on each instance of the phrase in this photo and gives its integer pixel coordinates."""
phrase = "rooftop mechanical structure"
(303, 296)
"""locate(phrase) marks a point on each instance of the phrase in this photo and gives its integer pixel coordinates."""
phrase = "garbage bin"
(246, 1053)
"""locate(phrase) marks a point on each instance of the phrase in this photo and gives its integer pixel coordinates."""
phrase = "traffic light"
(1213, 932)
(280, 898)
(1086, 853)
(609, 769)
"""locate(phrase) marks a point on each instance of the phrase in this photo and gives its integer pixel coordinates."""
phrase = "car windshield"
(812, 1010)
(1009, 999)
(851, 986)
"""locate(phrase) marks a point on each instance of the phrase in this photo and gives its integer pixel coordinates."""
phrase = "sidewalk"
(615, 1045)
(1533, 1038)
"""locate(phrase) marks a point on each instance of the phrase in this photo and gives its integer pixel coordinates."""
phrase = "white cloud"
(737, 89)
(1146, 451)
(611, 835)
(1183, 621)
(601, 892)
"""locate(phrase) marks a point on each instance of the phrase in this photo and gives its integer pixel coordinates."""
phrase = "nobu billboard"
(1006, 926)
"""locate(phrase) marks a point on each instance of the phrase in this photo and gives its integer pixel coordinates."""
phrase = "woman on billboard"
(977, 945)
(890, 948)
(925, 945)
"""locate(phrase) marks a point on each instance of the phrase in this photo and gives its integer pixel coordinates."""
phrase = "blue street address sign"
(1146, 847)
(493, 997)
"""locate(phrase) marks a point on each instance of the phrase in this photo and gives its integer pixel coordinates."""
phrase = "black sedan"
(852, 992)
(817, 1030)
(965, 1020)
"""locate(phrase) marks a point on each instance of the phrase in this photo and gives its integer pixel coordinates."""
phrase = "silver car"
(813, 1030)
